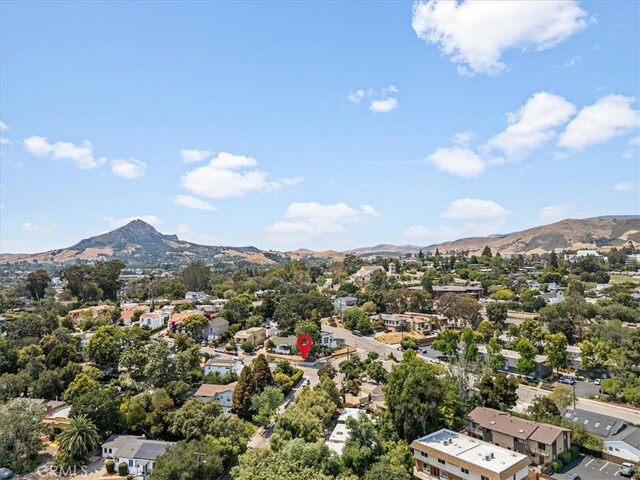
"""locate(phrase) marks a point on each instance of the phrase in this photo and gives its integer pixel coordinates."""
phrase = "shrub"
(575, 450)
(123, 470)
(565, 457)
(110, 465)
(130, 477)
(247, 347)
(556, 465)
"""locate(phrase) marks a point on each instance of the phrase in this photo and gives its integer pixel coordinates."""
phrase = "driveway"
(590, 468)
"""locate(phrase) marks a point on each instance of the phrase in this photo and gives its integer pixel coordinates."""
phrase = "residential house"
(343, 302)
(510, 359)
(364, 274)
(223, 394)
(370, 395)
(139, 453)
(215, 327)
(573, 357)
(340, 433)
(154, 320)
(540, 441)
(196, 296)
(284, 345)
(255, 335)
(177, 318)
(95, 311)
(446, 454)
(553, 297)
(419, 322)
(472, 290)
(621, 441)
(223, 364)
(327, 340)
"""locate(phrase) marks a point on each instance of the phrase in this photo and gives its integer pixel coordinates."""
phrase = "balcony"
(537, 451)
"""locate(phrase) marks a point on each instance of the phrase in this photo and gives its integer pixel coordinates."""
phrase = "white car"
(626, 469)
(597, 381)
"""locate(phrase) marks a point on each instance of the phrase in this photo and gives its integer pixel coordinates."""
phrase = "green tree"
(527, 362)
(494, 350)
(497, 313)
(461, 309)
(37, 282)
(562, 396)
(192, 420)
(20, 428)
(102, 407)
(499, 391)
(544, 409)
(105, 345)
(76, 442)
(470, 351)
(196, 277)
(447, 342)
(189, 460)
(245, 390)
(265, 404)
(237, 310)
(82, 383)
(107, 277)
(363, 446)
(555, 348)
(416, 397)
(486, 252)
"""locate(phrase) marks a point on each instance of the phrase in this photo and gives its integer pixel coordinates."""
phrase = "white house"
(139, 453)
(223, 364)
(284, 345)
(343, 302)
(223, 394)
(365, 272)
(215, 327)
(154, 320)
(196, 296)
(327, 340)
(340, 433)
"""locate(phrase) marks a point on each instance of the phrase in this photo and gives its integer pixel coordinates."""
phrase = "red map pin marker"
(304, 344)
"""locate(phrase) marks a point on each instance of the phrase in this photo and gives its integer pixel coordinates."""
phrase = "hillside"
(139, 244)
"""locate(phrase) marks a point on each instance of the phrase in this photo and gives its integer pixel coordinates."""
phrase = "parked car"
(204, 343)
(387, 330)
(572, 476)
(567, 380)
(5, 473)
(357, 333)
(597, 381)
(627, 469)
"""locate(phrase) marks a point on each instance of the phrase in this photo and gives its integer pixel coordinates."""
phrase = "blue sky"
(315, 124)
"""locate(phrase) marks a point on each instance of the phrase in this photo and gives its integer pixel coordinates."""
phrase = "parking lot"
(590, 468)
(583, 389)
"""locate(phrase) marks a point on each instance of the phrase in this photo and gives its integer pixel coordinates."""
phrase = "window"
(482, 477)
(441, 461)
(131, 463)
(464, 470)
(424, 455)
(542, 446)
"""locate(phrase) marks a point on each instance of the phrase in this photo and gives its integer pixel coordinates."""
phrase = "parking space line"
(587, 464)
(617, 472)
(607, 463)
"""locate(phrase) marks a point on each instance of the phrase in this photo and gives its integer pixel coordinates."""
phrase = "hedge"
(565, 457)
(110, 465)
(123, 470)
(575, 450)
(557, 465)
(297, 375)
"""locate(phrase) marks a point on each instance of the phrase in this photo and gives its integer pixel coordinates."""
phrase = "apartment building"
(540, 441)
(454, 456)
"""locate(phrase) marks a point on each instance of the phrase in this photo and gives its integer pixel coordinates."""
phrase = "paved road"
(589, 468)
(527, 394)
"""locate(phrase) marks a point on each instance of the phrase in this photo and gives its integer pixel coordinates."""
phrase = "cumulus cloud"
(532, 125)
(554, 213)
(225, 176)
(113, 222)
(193, 155)
(607, 118)
(475, 209)
(291, 181)
(384, 106)
(460, 161)
(193, 202)
(304, 221)
(624, 186)
(356, 96)
(128, 169)
(81, 156)
(5, 141)
(3, 126)
(37, 228)
(467, 31)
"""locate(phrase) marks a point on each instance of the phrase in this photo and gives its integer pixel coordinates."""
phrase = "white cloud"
(193, 155)
(119, 222)
(608, 117)
(193, 202)
(37, 228)
(291, 181)
(463, 138)
(634, 141)
(220, 178)
(475, 209)
(3, 126)
(554, 213)
(476, 34)
(388, 90)
(532, 125)
(304, 221)
(81, 156)
(459, 161)
(128, 169)
(624, 186)
(384, 106)
(572, 61)
(5, 141)
(356, 96)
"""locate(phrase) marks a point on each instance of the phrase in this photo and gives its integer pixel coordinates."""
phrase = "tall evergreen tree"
(261, 373)
(245, 390)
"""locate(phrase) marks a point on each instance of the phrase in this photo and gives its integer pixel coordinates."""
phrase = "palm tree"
(78, 438)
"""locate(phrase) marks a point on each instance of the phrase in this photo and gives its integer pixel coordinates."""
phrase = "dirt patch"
(396, 337)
